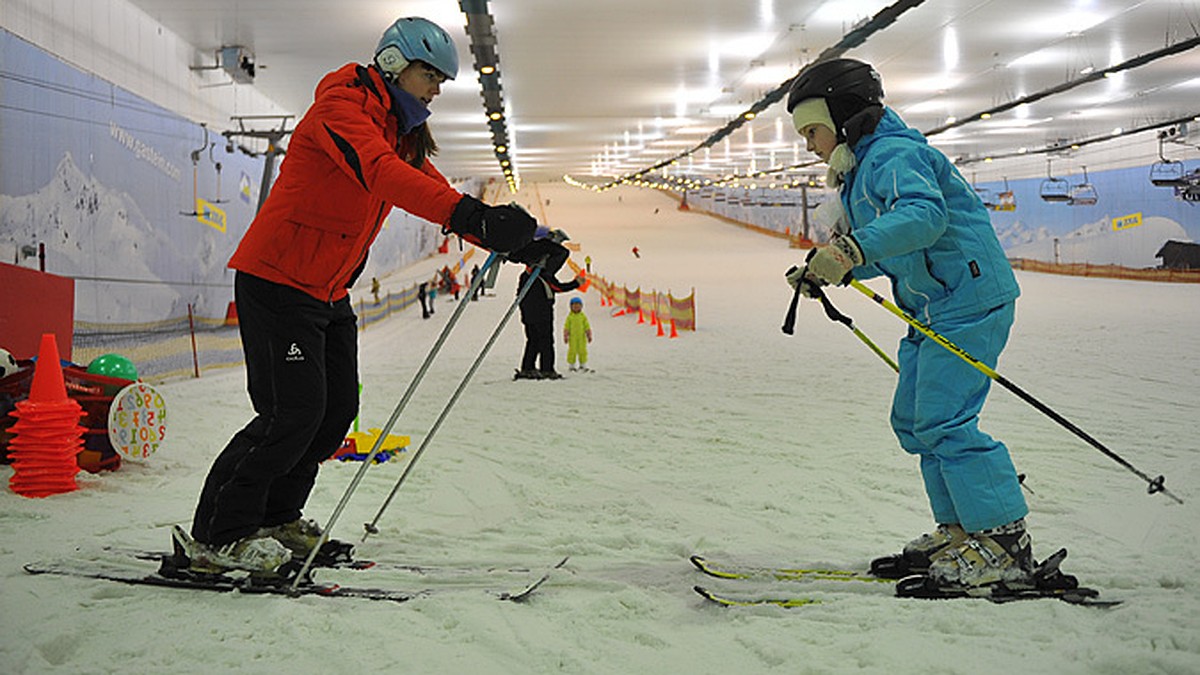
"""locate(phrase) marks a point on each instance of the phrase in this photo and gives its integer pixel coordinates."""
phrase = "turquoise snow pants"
(969, 476)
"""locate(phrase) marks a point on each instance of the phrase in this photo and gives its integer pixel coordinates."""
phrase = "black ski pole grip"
(789, 321)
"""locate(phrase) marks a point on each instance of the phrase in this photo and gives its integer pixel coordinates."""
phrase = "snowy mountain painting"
(98, 235)
(1128, 224)
(1097, 243)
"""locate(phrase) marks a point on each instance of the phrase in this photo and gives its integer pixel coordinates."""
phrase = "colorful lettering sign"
(137, 421)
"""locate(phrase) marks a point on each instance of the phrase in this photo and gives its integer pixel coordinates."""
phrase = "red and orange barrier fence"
(663, 311)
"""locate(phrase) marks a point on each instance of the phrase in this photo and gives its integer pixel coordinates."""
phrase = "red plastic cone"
(48, 385)
(46, 436)
(660, 329)
(673, 333)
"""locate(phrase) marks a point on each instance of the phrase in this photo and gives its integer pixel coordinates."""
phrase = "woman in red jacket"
(361, 149)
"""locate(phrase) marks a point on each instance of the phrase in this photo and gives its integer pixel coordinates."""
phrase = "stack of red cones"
(47, 434)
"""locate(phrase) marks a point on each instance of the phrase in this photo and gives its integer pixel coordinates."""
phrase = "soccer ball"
(8, 365)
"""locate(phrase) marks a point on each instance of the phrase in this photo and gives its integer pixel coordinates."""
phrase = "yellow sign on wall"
(1126, 222)
(210, 215)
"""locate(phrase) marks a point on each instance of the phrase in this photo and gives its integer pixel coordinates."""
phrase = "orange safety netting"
(658, 309)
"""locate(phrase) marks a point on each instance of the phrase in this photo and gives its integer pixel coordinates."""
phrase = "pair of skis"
(137, 567)
(155, 568)
(1046, 581)
(134, 567)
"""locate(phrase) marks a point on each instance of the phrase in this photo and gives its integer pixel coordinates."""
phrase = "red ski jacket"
(345, 168)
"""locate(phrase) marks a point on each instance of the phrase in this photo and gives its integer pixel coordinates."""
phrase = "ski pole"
(371, 526)
(387, 428)
(837, 317)
(789, 321)
(835, 314)
(1155, 484)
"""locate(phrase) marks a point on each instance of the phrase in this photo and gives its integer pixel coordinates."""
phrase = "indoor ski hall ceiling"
(606, 89)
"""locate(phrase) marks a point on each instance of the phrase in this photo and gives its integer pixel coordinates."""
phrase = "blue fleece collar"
(410, 111)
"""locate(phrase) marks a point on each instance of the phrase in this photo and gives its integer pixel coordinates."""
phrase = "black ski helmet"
(836, 78)
(849, 87)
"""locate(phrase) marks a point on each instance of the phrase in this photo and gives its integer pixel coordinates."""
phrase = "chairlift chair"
(984, 194)
(1084, 194)
(1006, 200)
(1054, 190)
(1167, 172)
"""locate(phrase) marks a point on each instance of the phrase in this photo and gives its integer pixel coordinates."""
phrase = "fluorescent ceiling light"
(1041, 57)
(950, 49)
(769, 75)
(841, 12)
(746, 45)
(727, 110)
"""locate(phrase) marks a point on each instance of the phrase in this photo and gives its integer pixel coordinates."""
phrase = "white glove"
(799, 278)
(831, 264)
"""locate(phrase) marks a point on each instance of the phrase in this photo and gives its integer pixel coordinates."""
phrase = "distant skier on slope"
(909, 215)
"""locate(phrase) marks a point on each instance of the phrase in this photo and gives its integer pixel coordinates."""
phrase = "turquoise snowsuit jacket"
(921, 224)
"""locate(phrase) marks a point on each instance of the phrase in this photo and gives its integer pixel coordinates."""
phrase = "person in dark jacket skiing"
(907, 213)
(363, 148)
(537, 315)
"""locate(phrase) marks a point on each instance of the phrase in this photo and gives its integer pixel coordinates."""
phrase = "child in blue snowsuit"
(909, 215)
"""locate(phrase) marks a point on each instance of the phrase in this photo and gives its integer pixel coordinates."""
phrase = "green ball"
(113, 365)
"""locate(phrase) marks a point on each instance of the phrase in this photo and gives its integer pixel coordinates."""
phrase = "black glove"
(502, 229)
(548, 253)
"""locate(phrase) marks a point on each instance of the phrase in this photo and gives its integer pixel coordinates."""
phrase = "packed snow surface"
(736, 442)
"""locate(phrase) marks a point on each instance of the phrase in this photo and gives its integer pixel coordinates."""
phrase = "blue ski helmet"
(577, 301)
(415, 39)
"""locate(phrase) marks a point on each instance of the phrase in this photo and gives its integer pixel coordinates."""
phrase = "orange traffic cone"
(47, 435)
(660, 328)
(641, 319)
(673, 333)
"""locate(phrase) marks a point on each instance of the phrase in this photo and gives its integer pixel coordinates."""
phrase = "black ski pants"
(302, 376)
(539, 346)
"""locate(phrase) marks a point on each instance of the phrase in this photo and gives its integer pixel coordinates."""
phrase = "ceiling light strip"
(481, 30)
(1135, 62)
(1075, 145)
(856, 37)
